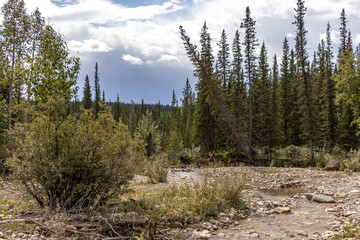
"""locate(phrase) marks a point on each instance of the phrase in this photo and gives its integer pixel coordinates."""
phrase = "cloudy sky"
(137, 45)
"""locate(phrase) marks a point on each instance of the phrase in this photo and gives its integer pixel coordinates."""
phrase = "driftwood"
(96, 228)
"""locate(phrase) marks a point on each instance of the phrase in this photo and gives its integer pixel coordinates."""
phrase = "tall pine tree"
(305, 91)
(86, 101)
(250, 43)
(97, 91)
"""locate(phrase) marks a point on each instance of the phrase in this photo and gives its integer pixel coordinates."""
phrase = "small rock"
(221, 234)
(330, 210)
(347, 214)
(354, 191)
(284, 210)
(332, 165)
(70, 227)
(319, 198)
(301, 233)
(224, 219)
(237, 223)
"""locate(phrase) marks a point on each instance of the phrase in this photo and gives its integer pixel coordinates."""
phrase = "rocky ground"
(283, 203)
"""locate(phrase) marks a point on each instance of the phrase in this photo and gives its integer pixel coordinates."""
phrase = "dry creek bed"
(277, 206)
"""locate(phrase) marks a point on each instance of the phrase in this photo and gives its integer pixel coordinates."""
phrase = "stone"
(284, 210)
(254, 235)
(224, 219)
(205, 234)
(330, 210)
(301, 233)
(319, 198)
(332, 165)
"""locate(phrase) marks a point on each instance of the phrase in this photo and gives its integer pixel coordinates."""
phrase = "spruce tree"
(305, 90)
(327, 96)
(238, 96)
(205, 121)
(86, 102)
(187, 128)
(262, 104)
(117, 110)
(223, 63)
(250, 43)
(97, 91)
(343, 33)
(275, 108)
(294, 122)
(285, 94)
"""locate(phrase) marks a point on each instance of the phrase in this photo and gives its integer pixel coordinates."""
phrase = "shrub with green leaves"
(190, 204)
(148, 131)
(75, 162)
(157, 168)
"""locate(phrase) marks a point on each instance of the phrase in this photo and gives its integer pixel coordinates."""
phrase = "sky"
(137, 44)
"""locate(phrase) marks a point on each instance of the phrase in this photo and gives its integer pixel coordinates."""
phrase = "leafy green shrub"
(189, 155)
(294, 156)
(156, 168)
(148, 131)
(79, 161)
(189, 204)
(351, 161)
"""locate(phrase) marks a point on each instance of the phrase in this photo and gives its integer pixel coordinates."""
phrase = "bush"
(190, 204)
(189, 155)
(351, 161)
(294, 156)
(77, 162)
(156, 168)
(148, 131)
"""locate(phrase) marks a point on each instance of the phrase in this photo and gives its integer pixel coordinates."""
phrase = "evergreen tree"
(223, 63)
(205, 121)
(305, 91)
(97, 91)
(117, 108)
(327, 96)
(275, 108)
(86, 102)
(188, 115)
(262, 103)
(103, 96)
(294, 123)
(250, 43)
(285, 94)
(238, 97)
(213, 96)
(343, 33)
(347, 84)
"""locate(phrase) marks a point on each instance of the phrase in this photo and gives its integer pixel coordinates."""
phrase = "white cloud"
(132, 59)
(165, 59)
(90, 45)
(149, 32)
(357, 39)
(290, 35)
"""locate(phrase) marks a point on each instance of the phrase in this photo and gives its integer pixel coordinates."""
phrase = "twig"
(112, 229)
(42, 226)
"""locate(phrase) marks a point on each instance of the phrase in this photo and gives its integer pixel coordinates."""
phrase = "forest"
(295, 109)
